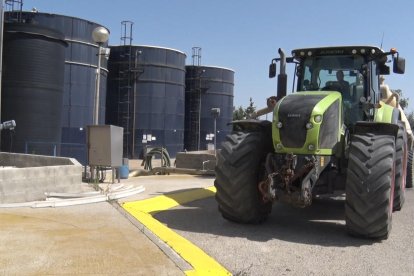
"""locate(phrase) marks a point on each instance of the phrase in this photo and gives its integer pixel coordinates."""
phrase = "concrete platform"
(90, 239)
(26, 177)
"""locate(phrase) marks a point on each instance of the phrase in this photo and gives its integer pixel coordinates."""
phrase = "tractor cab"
(353, 71)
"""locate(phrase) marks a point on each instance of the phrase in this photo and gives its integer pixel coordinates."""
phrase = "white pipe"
(62, 202)
(17, 205)
(120, 186)
(71, 195)
(126, 193)
(69, 202)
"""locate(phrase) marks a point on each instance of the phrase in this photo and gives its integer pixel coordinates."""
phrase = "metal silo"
(81, 61)
(146, 97)
(32, 87)
(207, 87)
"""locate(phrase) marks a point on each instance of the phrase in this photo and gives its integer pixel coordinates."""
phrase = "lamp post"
(100, 35)
(216, 113)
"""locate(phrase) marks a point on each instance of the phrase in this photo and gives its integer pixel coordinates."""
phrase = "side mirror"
(399, 65)
(272, 70)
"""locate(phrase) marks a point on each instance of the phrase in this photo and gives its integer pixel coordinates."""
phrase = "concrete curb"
(166, 249)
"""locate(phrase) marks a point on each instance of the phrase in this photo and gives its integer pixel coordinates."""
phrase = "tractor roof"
(338, 50)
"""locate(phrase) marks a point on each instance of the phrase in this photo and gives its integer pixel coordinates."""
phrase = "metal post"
(98, 82)
(199, 116)
(215, 111)
(1, 49)
(100, 35)
(215, 135)
(113, 175)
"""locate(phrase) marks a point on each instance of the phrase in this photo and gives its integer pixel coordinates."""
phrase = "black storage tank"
(32, 88)
(146, 97)
(207, 87)
(81, 61)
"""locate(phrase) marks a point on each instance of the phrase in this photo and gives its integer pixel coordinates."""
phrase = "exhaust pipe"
(282, 77)
(282, 61)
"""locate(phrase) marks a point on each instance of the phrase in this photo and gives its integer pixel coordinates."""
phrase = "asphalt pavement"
(294, 241)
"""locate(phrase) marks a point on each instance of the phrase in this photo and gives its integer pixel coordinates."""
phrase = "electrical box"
(105, 145)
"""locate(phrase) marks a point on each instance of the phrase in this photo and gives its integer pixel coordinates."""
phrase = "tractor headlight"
(318, 118)
(279, 125)
(309, 125)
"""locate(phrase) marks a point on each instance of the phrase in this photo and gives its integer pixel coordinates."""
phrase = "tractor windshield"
(340, 73)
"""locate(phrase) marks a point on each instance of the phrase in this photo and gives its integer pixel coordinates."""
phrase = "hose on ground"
(165, 158)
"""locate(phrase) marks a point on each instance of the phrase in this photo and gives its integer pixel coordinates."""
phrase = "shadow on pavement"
(321, 224)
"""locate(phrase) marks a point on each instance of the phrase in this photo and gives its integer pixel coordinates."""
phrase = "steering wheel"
(332, 87)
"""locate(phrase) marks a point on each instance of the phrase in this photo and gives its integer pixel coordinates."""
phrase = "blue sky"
(245, 35)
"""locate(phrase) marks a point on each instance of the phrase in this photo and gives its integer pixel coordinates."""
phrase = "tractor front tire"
(370, 185)
(240, 168)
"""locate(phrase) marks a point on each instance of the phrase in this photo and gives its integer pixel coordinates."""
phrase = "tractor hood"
(308, 123)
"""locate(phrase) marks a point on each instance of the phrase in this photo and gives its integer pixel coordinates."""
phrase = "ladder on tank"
(14, 9)
(125, 86)
(197, 88)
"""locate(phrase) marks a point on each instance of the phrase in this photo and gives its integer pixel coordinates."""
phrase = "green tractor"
(341, 131)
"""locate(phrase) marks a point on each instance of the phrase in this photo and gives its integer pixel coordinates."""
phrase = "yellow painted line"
(202, 263)
(168, 201)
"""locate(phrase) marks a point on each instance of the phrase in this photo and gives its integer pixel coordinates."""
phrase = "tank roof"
(211, 66)
(150, 46)
(67, 16)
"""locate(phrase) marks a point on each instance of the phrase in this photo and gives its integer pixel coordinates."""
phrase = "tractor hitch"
(288, 184)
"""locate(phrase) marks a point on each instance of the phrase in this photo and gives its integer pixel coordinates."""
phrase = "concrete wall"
(30, 160)
(25, 177)
(195, 160)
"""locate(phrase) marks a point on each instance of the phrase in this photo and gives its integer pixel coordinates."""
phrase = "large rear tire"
(400, 168)
(370, 185)
(410, 170)
(240, 167)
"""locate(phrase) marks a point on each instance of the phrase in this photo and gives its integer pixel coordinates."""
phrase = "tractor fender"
(389, 114)
(377, 128)
(250, 125)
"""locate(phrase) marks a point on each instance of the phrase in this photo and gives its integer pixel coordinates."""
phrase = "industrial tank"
(207, 87)
(146, 97)
(81, 61)
(32, 88)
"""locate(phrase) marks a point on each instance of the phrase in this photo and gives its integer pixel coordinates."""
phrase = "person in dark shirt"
(343, 86)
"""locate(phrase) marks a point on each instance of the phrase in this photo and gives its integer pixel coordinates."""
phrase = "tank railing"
(15, 8)
(86, 65)
(26, 147)
(196, 56)
(50, 148)
(126, 31)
